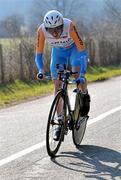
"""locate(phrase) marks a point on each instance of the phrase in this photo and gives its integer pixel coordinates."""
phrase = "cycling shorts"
(64, 56)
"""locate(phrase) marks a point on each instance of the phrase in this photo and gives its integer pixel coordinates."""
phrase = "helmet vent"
(52, 17)
(55, 21)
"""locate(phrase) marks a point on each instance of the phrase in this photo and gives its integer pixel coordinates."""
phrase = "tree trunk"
(21, 63)
(2, 65)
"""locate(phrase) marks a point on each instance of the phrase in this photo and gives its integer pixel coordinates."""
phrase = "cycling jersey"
(67, 38)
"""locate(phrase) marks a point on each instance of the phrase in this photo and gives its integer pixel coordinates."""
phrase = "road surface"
(23, 153)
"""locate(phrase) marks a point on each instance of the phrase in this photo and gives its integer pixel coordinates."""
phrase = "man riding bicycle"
(66, 44)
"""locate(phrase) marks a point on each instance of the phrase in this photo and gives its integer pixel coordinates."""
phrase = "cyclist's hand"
(40, 76)
(80, 80)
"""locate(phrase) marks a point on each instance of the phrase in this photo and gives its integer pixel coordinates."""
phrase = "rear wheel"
(79, 122)
(57, 106)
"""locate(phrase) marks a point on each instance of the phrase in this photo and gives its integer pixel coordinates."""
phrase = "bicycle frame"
(67, 100)
(64, 89)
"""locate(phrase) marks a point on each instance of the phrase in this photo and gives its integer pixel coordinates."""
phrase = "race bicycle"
(72, 119)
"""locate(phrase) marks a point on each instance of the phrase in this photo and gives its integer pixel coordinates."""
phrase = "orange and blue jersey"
(69, 45)
(67, 38)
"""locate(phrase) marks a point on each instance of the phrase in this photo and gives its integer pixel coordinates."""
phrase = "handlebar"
(63, 74)
(70, 81)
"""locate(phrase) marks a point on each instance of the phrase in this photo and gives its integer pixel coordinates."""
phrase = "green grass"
(101, 73)
(19, 91)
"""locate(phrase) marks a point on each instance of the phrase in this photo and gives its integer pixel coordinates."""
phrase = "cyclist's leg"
(75, 63)
(82, 87)
(57, 57)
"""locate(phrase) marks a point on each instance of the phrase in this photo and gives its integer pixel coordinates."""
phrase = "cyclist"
(66, 43)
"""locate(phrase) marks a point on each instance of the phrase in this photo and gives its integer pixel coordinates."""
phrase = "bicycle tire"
(80, 123)
(52, 151)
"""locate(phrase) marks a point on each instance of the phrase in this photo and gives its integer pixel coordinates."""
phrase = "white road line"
(42, 144)
(22, 153)
(91, 121)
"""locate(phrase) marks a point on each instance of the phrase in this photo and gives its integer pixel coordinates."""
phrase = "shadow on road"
(93, 161)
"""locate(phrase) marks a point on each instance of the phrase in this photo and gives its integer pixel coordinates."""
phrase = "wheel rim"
(51, 144)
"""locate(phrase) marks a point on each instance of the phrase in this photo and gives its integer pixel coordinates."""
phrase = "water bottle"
(72, 100)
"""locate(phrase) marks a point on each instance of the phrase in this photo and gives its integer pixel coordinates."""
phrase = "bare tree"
(12, 25)
(2, 75)
(69, 8)
(113, 8)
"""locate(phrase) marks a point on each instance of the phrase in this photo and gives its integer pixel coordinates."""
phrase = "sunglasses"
(56, 29)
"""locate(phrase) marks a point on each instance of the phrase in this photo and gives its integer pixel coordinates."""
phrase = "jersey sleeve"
(76, 38)
(40, 40)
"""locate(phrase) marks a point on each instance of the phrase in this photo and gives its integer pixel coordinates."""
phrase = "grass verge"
(102, 73)
(19, 91)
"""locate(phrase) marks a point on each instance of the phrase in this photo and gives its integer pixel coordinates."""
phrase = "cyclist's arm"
(39, 49)
(81, 48)
(76, 38)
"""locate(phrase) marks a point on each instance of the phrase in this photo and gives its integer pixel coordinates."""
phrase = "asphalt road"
(23, 154)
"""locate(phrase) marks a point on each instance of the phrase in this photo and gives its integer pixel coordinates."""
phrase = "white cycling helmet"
(53, 19)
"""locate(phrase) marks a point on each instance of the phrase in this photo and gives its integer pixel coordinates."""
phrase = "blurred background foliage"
(98, 22)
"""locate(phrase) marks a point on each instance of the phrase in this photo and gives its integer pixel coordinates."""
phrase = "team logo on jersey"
(64, 43)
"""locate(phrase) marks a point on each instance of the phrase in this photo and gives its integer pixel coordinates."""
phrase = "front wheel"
(57, 106)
